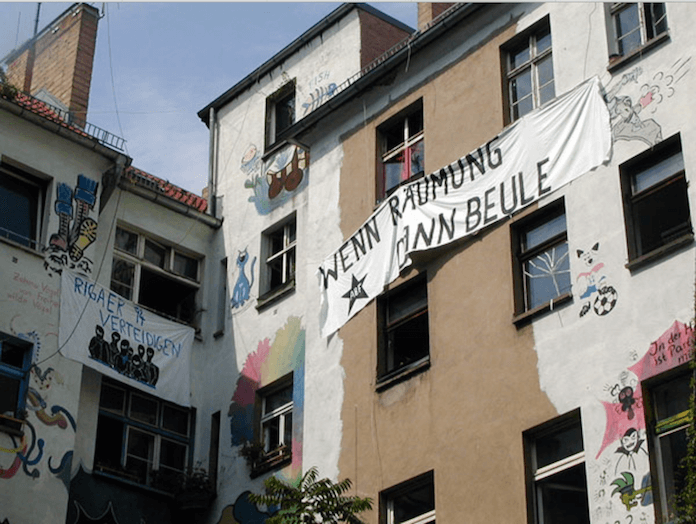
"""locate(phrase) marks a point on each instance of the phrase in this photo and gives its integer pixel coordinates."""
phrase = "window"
(15, 360)
(669, 411)
(274, 425)
(154, 275)
(404, 335)
(411, 502)
(542, 267)
(656, 205)
(635, 25)
(280, 112)
(529, 68)
(21, 206)
(557, 482)
(141, 438)
(402, 149)
(279, 248)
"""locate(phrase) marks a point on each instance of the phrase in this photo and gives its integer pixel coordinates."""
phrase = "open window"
(402, 149)
(541, 267)
(656, 203)
(411, 502)
(15, 361)
(404, 338)
(633, 26)
(669, 416)
(155, 275)
(556, 477)
(279, 254)
(529, 70)
(280, 113)
(141, 438)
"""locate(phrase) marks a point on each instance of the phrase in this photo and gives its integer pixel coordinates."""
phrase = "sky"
(158, 63)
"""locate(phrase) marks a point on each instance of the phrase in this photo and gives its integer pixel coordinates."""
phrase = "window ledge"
(527, 316)
(662, 251)
(17, 245)
(118, 478)
(272, 460)
(402, 374)
(275, 295)
(619, 62)
(11, 426)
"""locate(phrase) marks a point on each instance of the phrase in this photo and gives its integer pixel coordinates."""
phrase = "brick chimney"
(428, 11)
(56, 65)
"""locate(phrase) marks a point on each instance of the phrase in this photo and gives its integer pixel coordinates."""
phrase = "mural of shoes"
(85, 197)
(64, 210)
(88, 234)
(290, 176)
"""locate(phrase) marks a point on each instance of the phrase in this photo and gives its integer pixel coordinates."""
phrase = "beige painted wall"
(463, 417)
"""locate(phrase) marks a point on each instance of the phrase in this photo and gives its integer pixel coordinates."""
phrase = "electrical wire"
(111, 69)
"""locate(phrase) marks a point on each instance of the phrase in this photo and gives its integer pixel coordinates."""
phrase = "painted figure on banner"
(120, 356)
(76, 229)
(242, 288)
(593, 285)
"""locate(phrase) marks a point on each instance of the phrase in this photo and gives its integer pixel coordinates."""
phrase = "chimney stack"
(427, 12)
(56, 65)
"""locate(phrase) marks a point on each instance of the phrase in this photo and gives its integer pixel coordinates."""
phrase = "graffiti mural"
(271, 361)
(276, 180)
(623, 469)
(593, 285)
(242, 287)
(320, 91)
(76, 229)
(26, 452)
(636, 94)
(243, 511)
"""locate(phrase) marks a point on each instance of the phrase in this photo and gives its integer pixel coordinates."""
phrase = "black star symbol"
(356, 291)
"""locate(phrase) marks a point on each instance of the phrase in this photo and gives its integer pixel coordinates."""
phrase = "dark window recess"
(656, 203)
(405, 336)
(15, 361)
(167, 296)
(636, 24)
(19, 209)
(412, 501)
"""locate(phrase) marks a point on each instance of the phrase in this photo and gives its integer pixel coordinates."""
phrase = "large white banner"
(531, 158)
(114, 336)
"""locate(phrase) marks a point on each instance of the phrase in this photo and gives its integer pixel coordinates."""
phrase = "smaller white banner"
(116, 337)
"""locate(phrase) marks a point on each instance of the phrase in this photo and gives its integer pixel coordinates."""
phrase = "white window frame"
(282, 413)
(407, 143)
(287, 256)
(273, 102)
(388, 500)
(138, 261)
(528, 40)
(647, 31)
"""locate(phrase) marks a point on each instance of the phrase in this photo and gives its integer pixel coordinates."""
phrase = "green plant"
(194, 480)
(252, 451)
(686, 498)
(7, 90)
(311, 500)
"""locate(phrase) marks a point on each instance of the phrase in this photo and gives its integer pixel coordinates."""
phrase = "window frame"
(413, 113)
(648, 30)
(280, 455)
(544, 215)
(658, 428)
(535, 475)
(12, 424)
(158, 431)
(682, 234)
(287, 255)
(388, 497)
(387, 371)
(274, 102)
(527, 39)
(37, 184)
(137, 259)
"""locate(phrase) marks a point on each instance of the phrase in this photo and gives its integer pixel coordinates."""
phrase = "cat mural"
(242, 288)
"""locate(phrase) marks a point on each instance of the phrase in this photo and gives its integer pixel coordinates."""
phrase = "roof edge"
(290, 49)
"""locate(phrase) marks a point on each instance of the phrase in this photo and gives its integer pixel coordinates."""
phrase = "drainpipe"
(212, 171)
